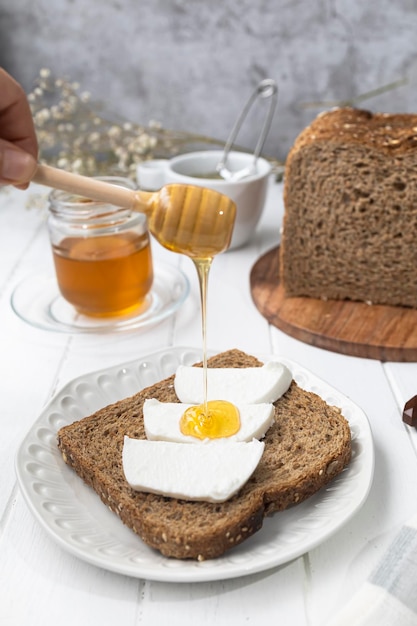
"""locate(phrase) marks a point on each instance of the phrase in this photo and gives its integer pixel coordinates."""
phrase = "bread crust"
(350, 219)
(307, 446)
(394, 134)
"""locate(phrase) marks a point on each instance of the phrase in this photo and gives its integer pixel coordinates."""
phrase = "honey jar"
(102, 253)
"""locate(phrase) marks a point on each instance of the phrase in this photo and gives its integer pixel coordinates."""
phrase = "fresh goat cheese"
(210, 471)
(248, 385)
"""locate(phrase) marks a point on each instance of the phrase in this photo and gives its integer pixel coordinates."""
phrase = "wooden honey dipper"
(194, 221)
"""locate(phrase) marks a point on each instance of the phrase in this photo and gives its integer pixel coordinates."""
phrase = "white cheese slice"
(210, 471)
(246, 385)
(162, 421)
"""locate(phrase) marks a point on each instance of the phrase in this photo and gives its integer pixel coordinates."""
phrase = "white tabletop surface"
(43, 584)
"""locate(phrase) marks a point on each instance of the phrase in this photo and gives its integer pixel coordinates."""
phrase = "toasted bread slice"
(306, 447)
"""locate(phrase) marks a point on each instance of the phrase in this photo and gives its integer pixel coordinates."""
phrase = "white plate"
(37, 301)
(77, 519)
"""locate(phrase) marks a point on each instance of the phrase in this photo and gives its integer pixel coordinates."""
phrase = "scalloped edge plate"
(78, 521)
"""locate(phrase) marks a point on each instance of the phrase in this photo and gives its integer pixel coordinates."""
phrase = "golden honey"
(194, 221)
(104, 276)
(214, 419)
(102, 254)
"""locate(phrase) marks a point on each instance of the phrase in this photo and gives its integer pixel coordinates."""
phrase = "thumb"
(16, 166)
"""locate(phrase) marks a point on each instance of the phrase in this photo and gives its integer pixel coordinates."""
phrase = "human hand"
(18, 143)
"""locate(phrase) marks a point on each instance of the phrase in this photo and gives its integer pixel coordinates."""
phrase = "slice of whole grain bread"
(307, 446)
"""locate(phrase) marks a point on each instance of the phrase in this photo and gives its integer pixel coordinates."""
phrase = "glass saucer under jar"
(102, 253)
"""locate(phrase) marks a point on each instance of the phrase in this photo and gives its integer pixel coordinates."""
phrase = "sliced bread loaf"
(350, 219)
(307, 446)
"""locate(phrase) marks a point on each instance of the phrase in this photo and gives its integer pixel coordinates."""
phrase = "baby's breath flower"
(114, 132)
(94, 137)
(42, 116)
(74, 136)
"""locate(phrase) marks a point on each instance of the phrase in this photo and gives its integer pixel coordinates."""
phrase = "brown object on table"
(306, 447)
(410, 412)
(350, 198)
(386, 333)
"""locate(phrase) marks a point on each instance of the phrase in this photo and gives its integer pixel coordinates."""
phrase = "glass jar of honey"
(102, 253)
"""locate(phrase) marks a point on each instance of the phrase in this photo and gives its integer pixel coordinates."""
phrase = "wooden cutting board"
(385, 333)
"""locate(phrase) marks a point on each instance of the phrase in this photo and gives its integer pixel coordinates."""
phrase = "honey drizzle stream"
(203, 268)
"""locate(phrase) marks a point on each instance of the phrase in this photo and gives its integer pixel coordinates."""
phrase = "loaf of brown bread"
(350, 220)
(306, 447)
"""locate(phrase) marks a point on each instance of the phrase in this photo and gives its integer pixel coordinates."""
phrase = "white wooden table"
(43, 584)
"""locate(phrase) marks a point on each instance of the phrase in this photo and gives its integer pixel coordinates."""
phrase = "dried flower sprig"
(356, 100)
(75, 135)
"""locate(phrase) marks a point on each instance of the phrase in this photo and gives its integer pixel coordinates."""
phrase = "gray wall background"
(191, 64)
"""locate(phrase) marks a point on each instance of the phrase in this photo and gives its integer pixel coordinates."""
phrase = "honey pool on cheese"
(213, 419)
(248, 385)
(162, 421)
(210, 472)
